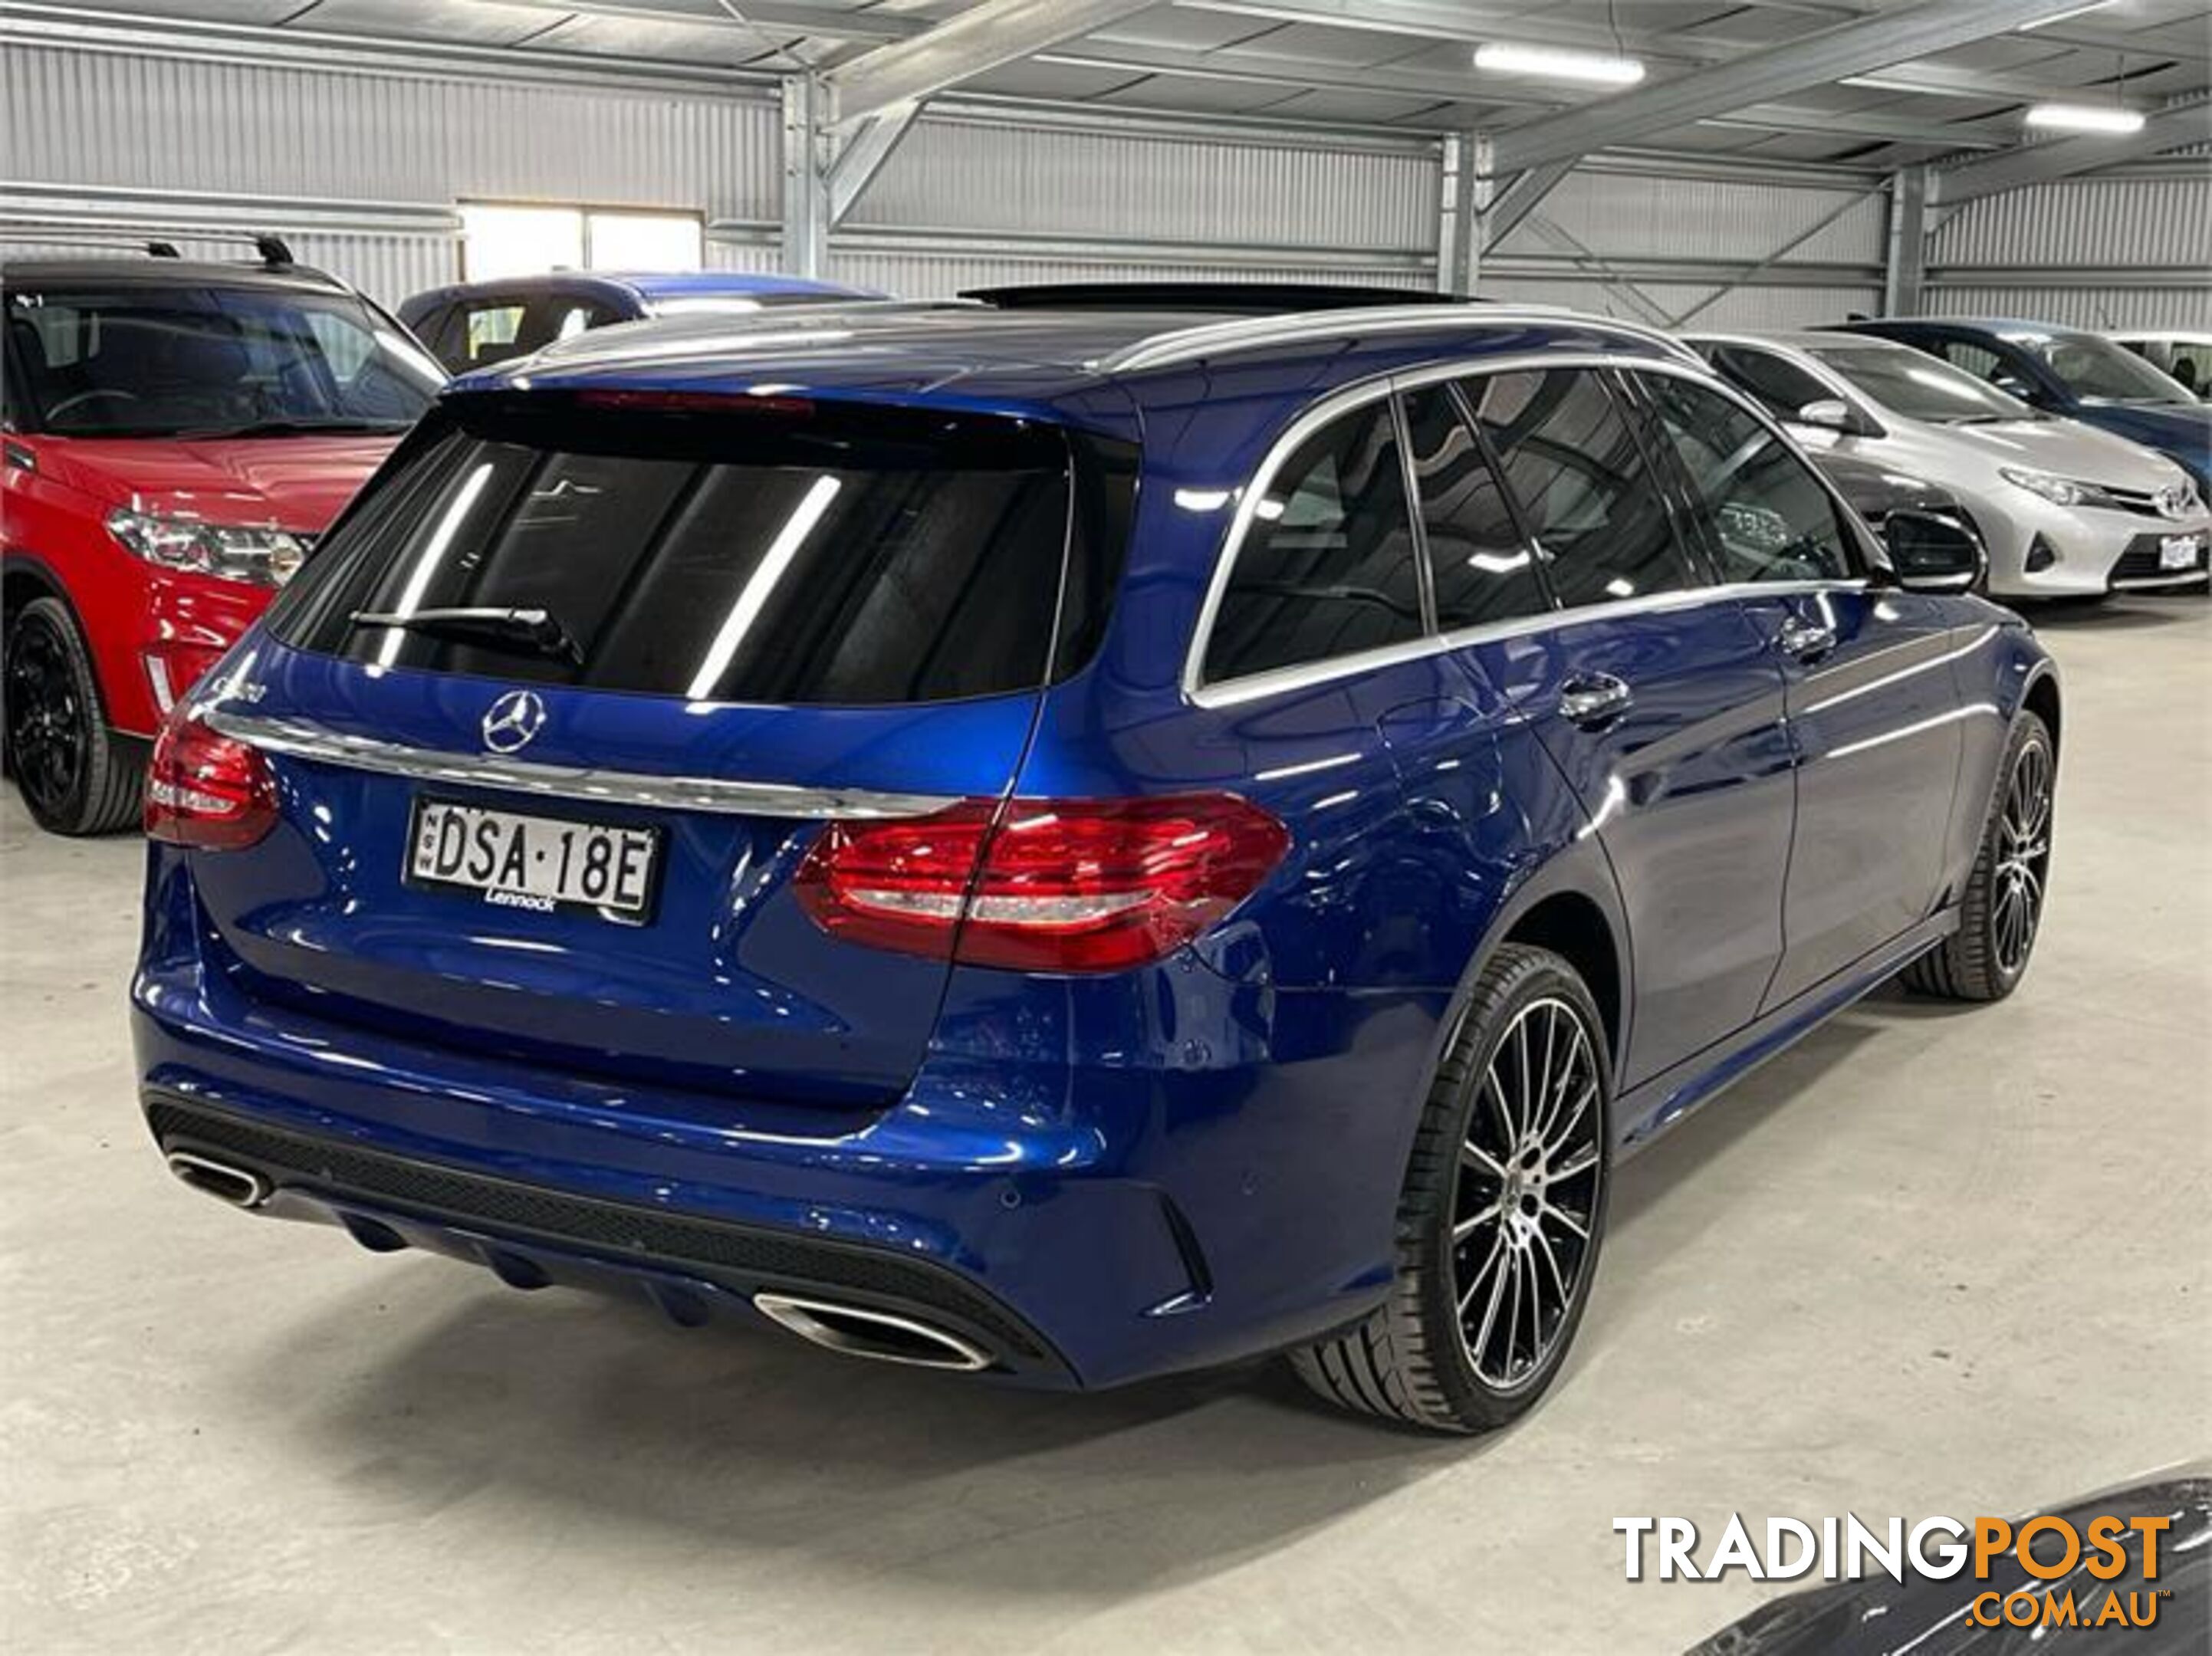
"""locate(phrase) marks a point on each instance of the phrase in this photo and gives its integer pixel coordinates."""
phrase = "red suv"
(176, 436)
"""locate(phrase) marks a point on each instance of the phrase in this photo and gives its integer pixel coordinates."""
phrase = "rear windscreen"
(747, 551)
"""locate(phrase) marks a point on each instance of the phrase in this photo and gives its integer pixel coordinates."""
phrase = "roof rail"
(274, 251)
(1256, 298)
(1253, 333)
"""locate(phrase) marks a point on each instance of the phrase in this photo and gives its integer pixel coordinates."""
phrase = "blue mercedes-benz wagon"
(1072, 841)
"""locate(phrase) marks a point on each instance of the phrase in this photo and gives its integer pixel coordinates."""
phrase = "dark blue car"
(2073, 373)
(1075, 845)
(474, 324)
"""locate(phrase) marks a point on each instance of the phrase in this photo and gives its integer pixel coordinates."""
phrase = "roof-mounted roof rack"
(1245, 298)
(273, 250)
(1250, 333)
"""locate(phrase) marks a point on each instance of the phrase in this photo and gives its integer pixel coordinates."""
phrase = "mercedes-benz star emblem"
(513, 720)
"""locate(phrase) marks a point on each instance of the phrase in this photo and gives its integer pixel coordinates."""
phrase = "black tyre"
(2002, 911)
(1502, 1214)
(75, 776)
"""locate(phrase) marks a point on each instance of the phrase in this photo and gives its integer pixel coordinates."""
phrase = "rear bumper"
(534, 1236)
(1087, 1221)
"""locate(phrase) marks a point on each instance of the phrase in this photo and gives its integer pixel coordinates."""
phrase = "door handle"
(1594, 699)
(1807, 640)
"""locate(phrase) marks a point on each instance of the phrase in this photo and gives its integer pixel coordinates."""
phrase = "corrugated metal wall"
(982, 173)
(139, 127)
(2130, 250)
(1687, 305)
(1635, 242)
(1640, 213)
(974, 198)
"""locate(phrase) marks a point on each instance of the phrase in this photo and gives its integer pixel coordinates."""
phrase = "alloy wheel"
(47, 729)
(2023, 859)
(1527, 1199)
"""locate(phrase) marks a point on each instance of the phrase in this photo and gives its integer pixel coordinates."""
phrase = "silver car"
(2066, 511)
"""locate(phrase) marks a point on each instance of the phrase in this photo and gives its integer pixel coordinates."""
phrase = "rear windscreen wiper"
(538, 631)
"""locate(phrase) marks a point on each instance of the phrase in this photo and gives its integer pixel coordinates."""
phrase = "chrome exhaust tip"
(236, 1185)
(884, 1336)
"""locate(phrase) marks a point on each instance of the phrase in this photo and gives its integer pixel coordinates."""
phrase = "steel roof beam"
(1872, 43)
(1442, 20)
(1452, 86)
(984, 36)
(2175, 127)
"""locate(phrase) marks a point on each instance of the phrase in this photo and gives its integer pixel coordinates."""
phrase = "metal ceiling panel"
(1054, 81)
(693, 43)
(1198, 97)
(1327, 45)
(1193, 31)
(213, 11)
(473, 22)
(1354, 108)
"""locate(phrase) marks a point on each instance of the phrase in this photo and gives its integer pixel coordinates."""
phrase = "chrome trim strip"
(1257, 332)
(2172, 578)
(300, 738)
(1252, 687)
(804, 1319)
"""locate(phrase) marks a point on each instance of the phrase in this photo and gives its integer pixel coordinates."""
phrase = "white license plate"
(539, 863)
(2179, 551)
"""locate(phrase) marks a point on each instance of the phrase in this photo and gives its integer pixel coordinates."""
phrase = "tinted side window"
(1481, 567)
(1780, 384)
(490, 333)
(1326, 565)
(1592, 503)
(1765, 514)
(1985, 363)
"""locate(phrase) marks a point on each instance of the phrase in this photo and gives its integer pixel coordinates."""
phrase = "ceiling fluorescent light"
(1549, 63)
(2085, 118)
(2065, 17)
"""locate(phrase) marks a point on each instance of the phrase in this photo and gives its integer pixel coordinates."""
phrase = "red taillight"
(205, 790)
(1042, 885)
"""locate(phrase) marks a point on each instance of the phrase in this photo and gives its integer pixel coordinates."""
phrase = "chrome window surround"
(1253, 333)
(1253, 687)
(300, 738)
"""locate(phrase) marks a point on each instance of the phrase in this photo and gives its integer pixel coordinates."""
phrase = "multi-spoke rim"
(1525, 1205)
(2023, 859)
(46, 730)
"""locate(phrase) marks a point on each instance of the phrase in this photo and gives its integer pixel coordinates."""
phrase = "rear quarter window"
(791, 553)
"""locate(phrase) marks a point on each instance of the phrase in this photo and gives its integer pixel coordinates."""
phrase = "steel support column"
(806, 214)
(1465, 196)
(1905, 278)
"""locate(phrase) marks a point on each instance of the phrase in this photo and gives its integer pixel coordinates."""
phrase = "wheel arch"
(2042, 698)
(25, 578)
(1570, 906)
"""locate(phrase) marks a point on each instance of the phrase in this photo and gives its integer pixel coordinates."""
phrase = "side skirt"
(1651, 1107)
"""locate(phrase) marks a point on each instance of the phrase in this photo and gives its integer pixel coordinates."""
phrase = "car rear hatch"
(555, 715)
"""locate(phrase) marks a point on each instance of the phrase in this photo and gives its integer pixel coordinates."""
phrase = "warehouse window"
(502, 240)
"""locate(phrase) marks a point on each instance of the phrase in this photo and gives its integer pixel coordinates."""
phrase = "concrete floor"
(1932, 1261)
